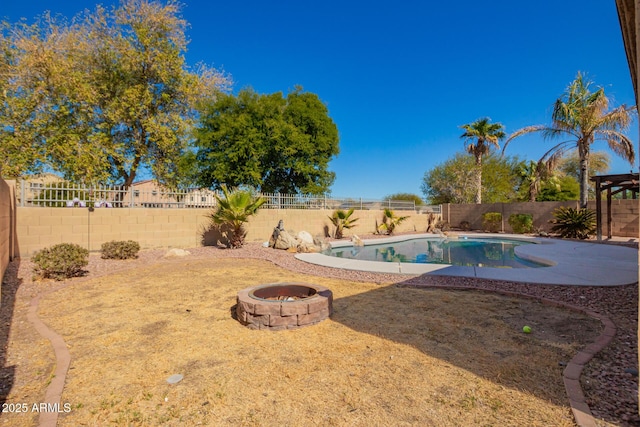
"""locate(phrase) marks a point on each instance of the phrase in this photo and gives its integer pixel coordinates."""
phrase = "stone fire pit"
(280, 306)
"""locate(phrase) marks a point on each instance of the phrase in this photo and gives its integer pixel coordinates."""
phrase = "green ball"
(526, 330)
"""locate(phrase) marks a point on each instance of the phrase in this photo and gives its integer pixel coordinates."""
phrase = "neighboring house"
(200, 197)
(34, 184)
(150, 194)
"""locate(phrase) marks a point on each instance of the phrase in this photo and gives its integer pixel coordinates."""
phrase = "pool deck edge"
(571, 262)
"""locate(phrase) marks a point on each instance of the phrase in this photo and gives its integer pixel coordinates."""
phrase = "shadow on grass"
(10, 285)
(480, 332)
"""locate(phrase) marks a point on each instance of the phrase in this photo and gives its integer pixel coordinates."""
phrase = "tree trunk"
(583, 151)
(478, 180)
(533, 190)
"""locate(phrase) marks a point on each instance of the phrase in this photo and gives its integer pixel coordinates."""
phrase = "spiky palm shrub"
(234, 210)
(574, 223)
(342, 220)
(390, 221)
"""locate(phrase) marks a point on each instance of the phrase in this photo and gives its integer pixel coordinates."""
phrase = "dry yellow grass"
(388, 355)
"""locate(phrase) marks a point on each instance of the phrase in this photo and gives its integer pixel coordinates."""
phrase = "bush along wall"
(521, 223)
(492, 222)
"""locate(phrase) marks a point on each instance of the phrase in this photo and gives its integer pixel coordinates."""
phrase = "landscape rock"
(308, 248)
(356, 241)
(175, 252)
(305, 237)
(281, 239)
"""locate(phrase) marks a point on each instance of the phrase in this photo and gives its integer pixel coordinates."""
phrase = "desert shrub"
(464, 225)
(120, 249)
(390, 221)
(574, 223)
(521, 223)
(492, 221)
(342, 220)
(60, 261)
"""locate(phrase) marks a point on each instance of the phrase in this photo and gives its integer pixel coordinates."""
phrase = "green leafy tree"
(342, 220)
(559, 188)
(102, 97)
(454, 180)
(234, 210)
(479, 136)
(271, 142)
(582, 117)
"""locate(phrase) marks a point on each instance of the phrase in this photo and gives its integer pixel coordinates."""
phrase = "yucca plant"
(390, 221)
(574, 223)
(234, 210)
(342, 220)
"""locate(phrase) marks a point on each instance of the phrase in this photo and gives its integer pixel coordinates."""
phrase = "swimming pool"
(476, 252)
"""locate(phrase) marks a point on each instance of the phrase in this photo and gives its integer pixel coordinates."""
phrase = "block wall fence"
(24, 230)
(166, 228)
(7, 224)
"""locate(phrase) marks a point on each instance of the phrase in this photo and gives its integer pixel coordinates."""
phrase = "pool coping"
(570, 262)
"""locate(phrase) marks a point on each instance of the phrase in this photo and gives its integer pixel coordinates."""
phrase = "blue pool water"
(462, 251)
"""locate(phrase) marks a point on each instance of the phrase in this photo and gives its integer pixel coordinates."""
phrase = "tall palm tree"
(233, 211)
(479, 136)
(582, 117)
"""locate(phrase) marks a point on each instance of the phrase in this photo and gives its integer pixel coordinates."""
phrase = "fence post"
(22, 193)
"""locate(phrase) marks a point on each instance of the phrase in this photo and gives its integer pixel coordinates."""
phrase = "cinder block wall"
(625, 217)
(542, 212)
(39, 227)
(7, 206)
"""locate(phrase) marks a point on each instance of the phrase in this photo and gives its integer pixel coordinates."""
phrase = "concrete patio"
(581, 263)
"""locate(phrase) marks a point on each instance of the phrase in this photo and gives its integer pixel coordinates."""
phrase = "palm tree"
(342, 220)
(583, 117)
(390, 221)
(234, 211)
(479, 136)
(533, 175)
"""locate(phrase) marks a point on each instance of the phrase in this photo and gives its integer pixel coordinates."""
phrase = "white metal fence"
(149, 195)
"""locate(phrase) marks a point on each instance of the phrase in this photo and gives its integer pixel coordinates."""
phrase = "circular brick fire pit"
(280, 306)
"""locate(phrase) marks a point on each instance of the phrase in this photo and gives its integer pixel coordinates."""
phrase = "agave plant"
(342, 220)
(574, 223)
(234, 210)
(390, 221)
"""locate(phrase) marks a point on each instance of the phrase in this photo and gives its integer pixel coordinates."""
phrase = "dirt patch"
(428, 357)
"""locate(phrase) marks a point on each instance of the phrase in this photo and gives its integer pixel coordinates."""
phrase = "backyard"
(398, 350)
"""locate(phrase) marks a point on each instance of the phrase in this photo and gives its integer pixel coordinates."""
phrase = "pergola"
(613, 184)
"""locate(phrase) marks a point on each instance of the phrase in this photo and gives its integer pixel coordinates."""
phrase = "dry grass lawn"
(388, 355)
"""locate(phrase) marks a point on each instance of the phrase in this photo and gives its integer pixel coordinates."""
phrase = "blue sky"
(400, 78)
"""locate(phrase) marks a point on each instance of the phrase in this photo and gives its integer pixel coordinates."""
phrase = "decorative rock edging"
(571, 374)
(53, 394)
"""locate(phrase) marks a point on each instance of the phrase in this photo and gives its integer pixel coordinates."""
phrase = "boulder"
(175, 252)
(281, 239)
(308, 248)
(305, 237)
(356, 241)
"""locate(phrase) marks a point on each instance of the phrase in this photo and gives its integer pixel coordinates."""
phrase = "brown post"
(609, 212)
(598, 209)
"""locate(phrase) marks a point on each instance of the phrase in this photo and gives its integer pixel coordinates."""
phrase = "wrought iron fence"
(148, 194)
